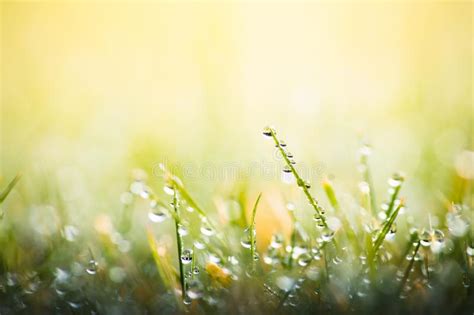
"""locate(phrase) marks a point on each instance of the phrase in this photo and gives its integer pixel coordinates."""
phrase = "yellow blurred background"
(91, 90)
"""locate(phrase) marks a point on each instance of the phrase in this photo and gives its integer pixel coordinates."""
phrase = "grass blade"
(252, 229)
(386, 227)
(9, 188)
(179, 242)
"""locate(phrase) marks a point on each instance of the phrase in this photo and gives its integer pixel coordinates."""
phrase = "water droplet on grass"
(327, 234)
(169, 190)
(157, 216)
(337, 260)
(233, 260)
(245, 241)
(277, 241)
(304, 259)
(199, 244)
(92, 267)
(187, 256)
(268, 131)
(182, 230)
(438, 236)
(396, 180)
(207, 230)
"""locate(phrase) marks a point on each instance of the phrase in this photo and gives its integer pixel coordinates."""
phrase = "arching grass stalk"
(383, 232)
(179, 242)
(253, 231)
(175, 182)
(9, 188)
(299, 181)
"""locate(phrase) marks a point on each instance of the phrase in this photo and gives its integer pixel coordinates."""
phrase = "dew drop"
(396, 180)
(92, 267)
(327, 234)
(268, 131)
(168, 190)
(157, 215)
(438, 236)
(245, 242)
(233, 260)
(145, 193)
(187, 256)
(425, 238)
(196, 270)
(337, 260)
(304, 259)
(268, 259)
(286, 169)
(199, 244)
(277, 241)
(391, 233)
(182, 230)
(207, 230)
(470, 251)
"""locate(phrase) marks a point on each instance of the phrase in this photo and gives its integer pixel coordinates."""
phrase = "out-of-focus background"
(93, 90)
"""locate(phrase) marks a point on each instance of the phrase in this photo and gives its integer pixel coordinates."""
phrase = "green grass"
(172, 252)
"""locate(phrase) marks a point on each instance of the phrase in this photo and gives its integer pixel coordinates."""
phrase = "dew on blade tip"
(396, 180)
(268, 131)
